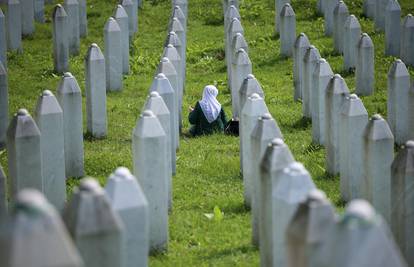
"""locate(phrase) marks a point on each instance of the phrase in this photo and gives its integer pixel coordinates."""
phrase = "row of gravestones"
(151, 152)
(275, 184)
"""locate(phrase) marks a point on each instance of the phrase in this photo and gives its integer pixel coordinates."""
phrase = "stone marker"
(249, 86)
(279, 4)
(398, 101)
(128, 200)
(242, 67)
(231, 14)
(183, 4)
(113, 55)
(60, 39)
(308, 230)
(95, 90)
(178, 13)
(340, 16)
(163, 87)
(238, 42)
(321, 77)
(3, 193)
(369, 8)
(287, 30)
(128, 5)
(254, 107)
(172, 38)
(172, 54)
(83, 19)
(24, 155)
(361, 232)
(72, 10)
(70, 100)
(392, 28)
(352, 35)
(379, 18)
(94, 226)
(277, 157)
(320, 6)
(3, 42)
(156, 104)
(149, 146)
(402, 175)
(14, 25)
(310, 61)
(353, 120)
(228, 3)
(234, 28)
(299, 50)
(336, 92)
(292, 187)
(49, 119)
(27, 9)
(4, 106)
(329, 16)
(121, 18)
(378, 157)
(179, 30)
(364, 70)
(407, 40)
(39, 11)
(265, 131)
(35, 227)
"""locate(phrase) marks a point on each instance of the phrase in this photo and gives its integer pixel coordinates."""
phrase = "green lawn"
(207, 167)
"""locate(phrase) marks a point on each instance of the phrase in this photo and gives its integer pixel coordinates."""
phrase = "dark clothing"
(201, 126)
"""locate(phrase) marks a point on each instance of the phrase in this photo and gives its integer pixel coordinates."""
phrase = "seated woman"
(207, 116)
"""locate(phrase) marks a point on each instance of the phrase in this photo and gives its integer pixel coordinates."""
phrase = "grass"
(207, 167)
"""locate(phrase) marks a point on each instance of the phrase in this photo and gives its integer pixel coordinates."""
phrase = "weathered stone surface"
(70, 100)
(242, 67)
(49, 119)
(278, 9)
(276, 157)
(121, 18)
(292, 187)
(149, 146)
(156, 104)
(14, 25)
(353, 120)
(27, 9)
(329, 16)
(399, 101)
(336, 92)
(299, 50)
(39, 10)
(254, 107)
(340, 16)
(392, 28)
(113, 55)
(287, 30)
(378, 157)
(4, 106)
(34, 228)
(95, 81)
(308, 229)
(310, 61)
(60, 39)
(379, 18)
(321, 77)
(265, 131)
(352, 34)
(94, 226)
(3, 40)
(72, 10)
(407, 40)
(24, 155)
(365, 67)
(128, 200)
(3, 192)
(361, 231)
(83, 19)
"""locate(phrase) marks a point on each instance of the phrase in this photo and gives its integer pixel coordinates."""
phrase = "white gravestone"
(287, 30)
(72, 10)
(28, 24)
(4, 106)
(60, 39)
(340, 16)
(352, 34)
(113, 55)
(83, 19)
(393, 28)
(14, 25)
(242, 67)
(299, 50)
(407, 40)
(310, 61)
(121, 18)
(365, 69)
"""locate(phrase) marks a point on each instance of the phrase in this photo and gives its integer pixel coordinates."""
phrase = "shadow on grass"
(347, 73)
(218, 254)
(235, 208)
(301, 124)
(271, 61)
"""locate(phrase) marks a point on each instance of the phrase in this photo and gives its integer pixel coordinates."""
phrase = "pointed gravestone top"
(302, 41)
(398, 69)
(341, 8)
(22, 125)
(48, 104)
(166, 67)
(120, 12)
(352, 22)
(338, 85)
(276, 155)
(360, 209)
(266, 128)
(178, 13)
(94, 53)
(232, 12)
(324, 68)
(393, 5)
(59, 12)
(354, 107)
(312, 54)
(161, 84)
(242, 58)
(293, 176)
(156, 104)
(176, 25)
(68, 84)
(111, 25)
(173, 39)
(404, 160)
(287, 11)
(148, 126)
(239, 40)
(378, 129)
(251, 85)
(171, 52)
(235, 26)
(365, 41)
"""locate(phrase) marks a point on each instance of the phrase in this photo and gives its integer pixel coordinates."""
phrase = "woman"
(207, 117)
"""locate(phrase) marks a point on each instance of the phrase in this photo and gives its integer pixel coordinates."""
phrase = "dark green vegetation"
(208, 167)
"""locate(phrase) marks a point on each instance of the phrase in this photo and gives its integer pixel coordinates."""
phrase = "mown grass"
(208, 167)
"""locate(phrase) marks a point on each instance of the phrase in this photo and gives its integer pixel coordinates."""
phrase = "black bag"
(232, 127)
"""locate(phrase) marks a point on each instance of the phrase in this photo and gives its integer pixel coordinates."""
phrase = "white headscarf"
(209, 104)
